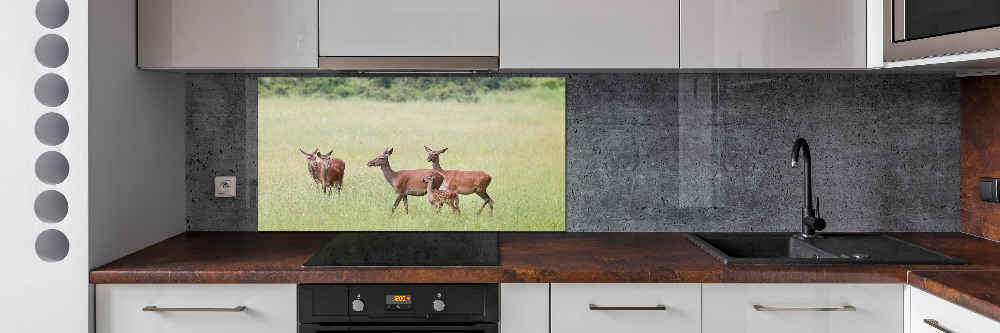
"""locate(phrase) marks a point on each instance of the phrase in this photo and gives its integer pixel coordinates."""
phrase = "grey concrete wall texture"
(683, 152)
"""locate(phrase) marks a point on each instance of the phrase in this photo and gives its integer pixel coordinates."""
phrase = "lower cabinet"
(625, 307)
(524, 307)
(195, 308)
(930, 314)
(802, 308)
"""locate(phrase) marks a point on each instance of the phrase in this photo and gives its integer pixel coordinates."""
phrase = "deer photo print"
(411, 154)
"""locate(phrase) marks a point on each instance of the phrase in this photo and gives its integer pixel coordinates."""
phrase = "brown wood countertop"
(978, 291)
(277, 257)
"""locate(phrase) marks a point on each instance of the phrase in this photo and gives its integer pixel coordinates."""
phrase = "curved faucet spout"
(810, 222)
(803, 146)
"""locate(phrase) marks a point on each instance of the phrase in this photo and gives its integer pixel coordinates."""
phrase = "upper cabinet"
(778, 34)
(589, 34)
(409, 34)
(509, 34)
(223, 34)
(422, 28)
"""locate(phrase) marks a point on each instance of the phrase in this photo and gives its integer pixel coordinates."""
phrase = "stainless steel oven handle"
(627, 308)
(759, 307)
(935, 324)
(158, 309)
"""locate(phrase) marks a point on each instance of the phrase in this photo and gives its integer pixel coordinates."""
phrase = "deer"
(312, 165)
(463, 182)
(331, 173)
(404, 182)
(439, 197)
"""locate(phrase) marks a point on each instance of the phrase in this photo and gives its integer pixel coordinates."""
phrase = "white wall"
(125, 148)
(37, 295)
(137, 188)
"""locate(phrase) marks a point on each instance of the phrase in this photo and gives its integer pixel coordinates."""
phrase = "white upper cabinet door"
(774, 34)
(409, 28)
(802, 308)
(227, 34)
(589, 34)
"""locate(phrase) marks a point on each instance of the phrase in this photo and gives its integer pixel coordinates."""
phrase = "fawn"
(439, 197)
(463, 182)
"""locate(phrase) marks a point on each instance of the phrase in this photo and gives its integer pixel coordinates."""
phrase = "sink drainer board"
(789, 248)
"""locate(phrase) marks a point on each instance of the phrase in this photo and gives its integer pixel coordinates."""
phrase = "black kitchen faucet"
(810, 222)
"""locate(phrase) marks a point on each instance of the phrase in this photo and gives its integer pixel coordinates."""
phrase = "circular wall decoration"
(51, 90)
(51, 129)
(52, 168)
(51, 206)
(52, 245)
(52, 13)
(51, 51)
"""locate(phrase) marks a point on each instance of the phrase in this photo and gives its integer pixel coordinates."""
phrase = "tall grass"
(517, 137)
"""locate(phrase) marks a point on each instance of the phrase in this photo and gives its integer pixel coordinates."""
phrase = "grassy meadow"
(518, 137)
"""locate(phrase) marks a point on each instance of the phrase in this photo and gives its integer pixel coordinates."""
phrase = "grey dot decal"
(52, 13)
(51, 129)
(51, 206)
(52, 245)
(51, 90)
(51, 51)
(52, 168)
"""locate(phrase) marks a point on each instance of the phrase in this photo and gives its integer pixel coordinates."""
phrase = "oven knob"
(438, 305)
(358, 305)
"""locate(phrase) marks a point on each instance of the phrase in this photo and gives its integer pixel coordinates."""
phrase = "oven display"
(397, 299)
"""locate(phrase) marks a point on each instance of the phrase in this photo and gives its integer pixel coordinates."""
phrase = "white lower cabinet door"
(196, 308)
(524, 308)
(626, 307)
(802, 308)
(930, 314)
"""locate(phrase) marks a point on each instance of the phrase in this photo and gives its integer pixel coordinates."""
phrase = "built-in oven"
(926, 28)
(465, 308)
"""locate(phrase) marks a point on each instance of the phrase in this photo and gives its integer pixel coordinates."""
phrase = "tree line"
(399, 89)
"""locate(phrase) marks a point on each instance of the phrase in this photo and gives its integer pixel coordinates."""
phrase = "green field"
(518, 137)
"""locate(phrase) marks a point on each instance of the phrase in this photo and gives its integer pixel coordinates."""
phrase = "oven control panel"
(398, 303)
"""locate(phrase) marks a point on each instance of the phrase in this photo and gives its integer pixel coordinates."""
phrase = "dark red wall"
(980, 153)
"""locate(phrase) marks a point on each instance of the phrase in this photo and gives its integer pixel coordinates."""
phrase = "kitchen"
(688, 128)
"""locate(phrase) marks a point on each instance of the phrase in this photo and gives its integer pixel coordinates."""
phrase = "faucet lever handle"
(817, 206)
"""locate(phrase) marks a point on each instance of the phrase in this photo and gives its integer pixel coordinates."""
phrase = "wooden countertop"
(978, 291)
(277, 257)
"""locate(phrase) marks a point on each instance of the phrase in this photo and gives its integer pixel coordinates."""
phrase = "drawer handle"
(935, 324)
(233, 309)
(628, 308)
(759, 307)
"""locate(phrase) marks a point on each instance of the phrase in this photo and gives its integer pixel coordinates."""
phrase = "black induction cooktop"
(409, 249)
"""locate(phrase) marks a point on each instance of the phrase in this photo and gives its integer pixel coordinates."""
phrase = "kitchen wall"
(682, 152)
(980, 153)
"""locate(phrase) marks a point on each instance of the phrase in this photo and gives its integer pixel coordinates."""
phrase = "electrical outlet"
(225, 186)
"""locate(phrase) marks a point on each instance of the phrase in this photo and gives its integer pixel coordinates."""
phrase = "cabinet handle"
(630, 308)
(935, 324)
(233, 309)
(759, 307)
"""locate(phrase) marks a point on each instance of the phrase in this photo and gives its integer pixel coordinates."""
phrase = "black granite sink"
(786, 248)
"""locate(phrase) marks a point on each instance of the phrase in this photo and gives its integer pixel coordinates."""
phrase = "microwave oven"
(915, 29)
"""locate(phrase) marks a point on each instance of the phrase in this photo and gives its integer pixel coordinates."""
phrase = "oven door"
(926, 28)
(472, 328)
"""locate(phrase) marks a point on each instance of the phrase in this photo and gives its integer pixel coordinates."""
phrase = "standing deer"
(439, 197)
(331, 173)
(464, 182)
(312, 165)
(403, 182)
